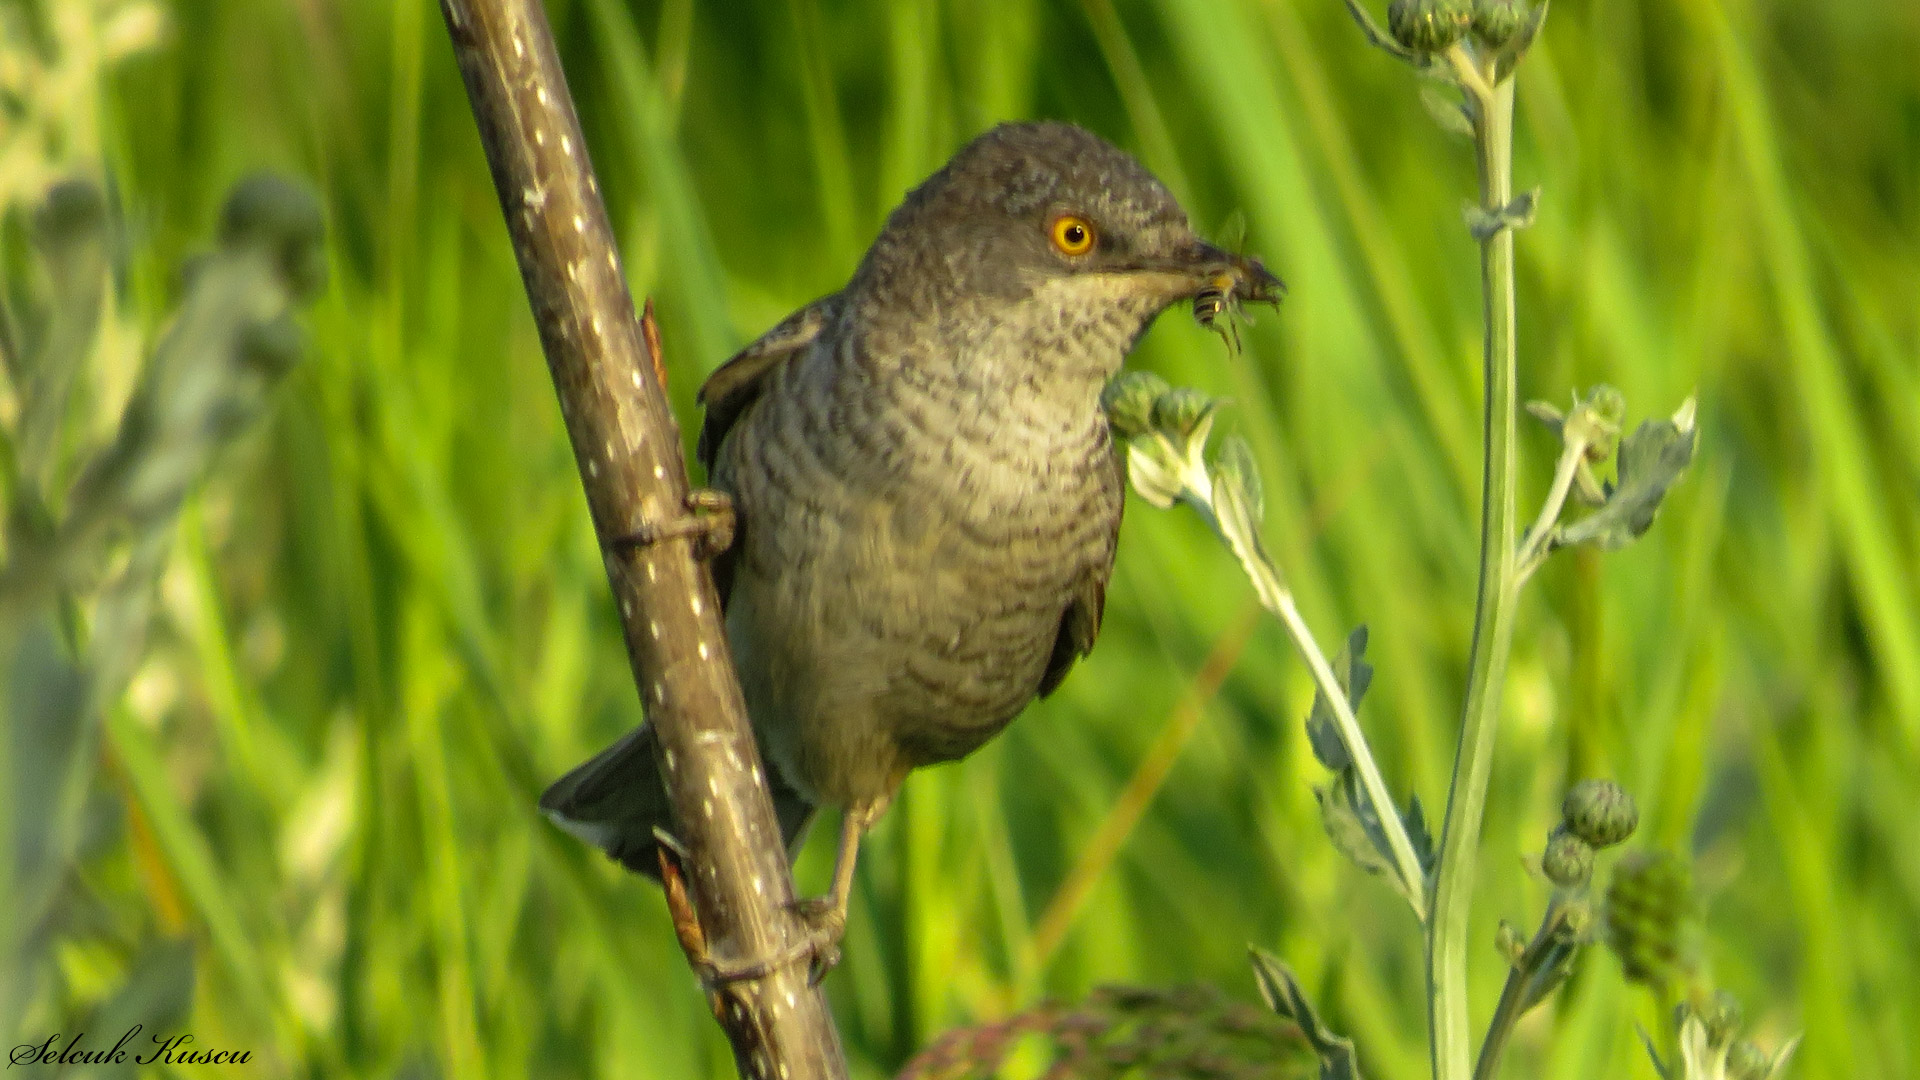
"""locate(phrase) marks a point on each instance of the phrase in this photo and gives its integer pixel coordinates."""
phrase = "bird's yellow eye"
(1072, 234)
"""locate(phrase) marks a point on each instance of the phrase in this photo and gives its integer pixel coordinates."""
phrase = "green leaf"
(1355, 832)
(1154, 470)
(1283, 994)
(1355, 829)
(1235, 470)
(1518, 214)
(1236, 496)
(1659, 1066)
(1354, 674)
(1446, 110)
(1651, 459)
(1415, 820)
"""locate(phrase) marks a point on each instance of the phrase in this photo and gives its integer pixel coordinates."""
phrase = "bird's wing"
(735, 384)
(1080, 623)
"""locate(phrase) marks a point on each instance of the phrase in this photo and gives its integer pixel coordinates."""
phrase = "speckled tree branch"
(628, 449)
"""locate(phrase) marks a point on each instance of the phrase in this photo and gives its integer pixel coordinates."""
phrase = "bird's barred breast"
(910, 544)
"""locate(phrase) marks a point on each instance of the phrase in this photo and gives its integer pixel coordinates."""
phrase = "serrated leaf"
(1283, 994)
(1415, 820)
(1347, 827)
(1651, 460)
(1354, 674)
(1356, 832)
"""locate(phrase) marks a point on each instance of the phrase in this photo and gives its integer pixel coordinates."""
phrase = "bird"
(926, 495)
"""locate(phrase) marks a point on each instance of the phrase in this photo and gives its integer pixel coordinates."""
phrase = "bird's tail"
(616, 799)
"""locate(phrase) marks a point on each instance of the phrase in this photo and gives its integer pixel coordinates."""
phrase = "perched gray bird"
(926, 497)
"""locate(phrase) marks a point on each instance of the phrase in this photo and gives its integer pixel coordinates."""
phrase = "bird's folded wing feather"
(735, 384)
(1080, 623)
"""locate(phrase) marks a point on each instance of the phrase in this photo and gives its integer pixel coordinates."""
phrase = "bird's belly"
(884, 626)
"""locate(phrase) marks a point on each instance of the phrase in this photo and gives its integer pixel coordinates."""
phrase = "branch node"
(708, 522)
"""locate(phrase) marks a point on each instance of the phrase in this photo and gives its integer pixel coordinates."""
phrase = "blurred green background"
(384, 625)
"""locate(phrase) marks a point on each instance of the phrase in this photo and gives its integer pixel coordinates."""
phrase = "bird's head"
(1052, 231)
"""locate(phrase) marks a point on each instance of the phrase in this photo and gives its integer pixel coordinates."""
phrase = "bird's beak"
(1194, 266)
(1244, 278)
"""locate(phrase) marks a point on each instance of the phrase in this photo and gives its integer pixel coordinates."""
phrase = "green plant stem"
(1277, 598)
(1514, 997)
(1447, 931)
(1539, 542)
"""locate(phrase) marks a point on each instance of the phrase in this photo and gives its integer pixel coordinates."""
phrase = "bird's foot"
(824, 922)
(708, 521)
(822, 925)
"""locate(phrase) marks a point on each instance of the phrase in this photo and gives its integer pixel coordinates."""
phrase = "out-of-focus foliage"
(383, 625)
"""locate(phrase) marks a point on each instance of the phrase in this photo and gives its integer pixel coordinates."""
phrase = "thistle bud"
(1428, 25)
(1722, 1017)
(1745, 1061)
(1600, 812)
(1129, 401)
(1568, 861)
(1496, 21)
(1650, 916)
(1510, 943)
(1181, 412)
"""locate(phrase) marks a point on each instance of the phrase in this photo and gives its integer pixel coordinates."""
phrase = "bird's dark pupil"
(1075, 234)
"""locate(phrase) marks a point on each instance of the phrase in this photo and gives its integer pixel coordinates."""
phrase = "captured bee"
(1215, 301)
(1219, 306)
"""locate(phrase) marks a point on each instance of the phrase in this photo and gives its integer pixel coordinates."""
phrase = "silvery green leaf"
(1234, 468)
(1129, 400)
(1650, 461)
(1354, 674)
(1154, 471)
(1699, 1058)
(1355, 830)
(1446, 110)
(1340, 815)
(1235, 495)
(1281, 990)
(1548, 415)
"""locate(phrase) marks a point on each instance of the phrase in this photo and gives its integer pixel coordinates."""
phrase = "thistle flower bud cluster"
(1710, 1047)
(1595, 814)
(1430, 26)
(1651, 917)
